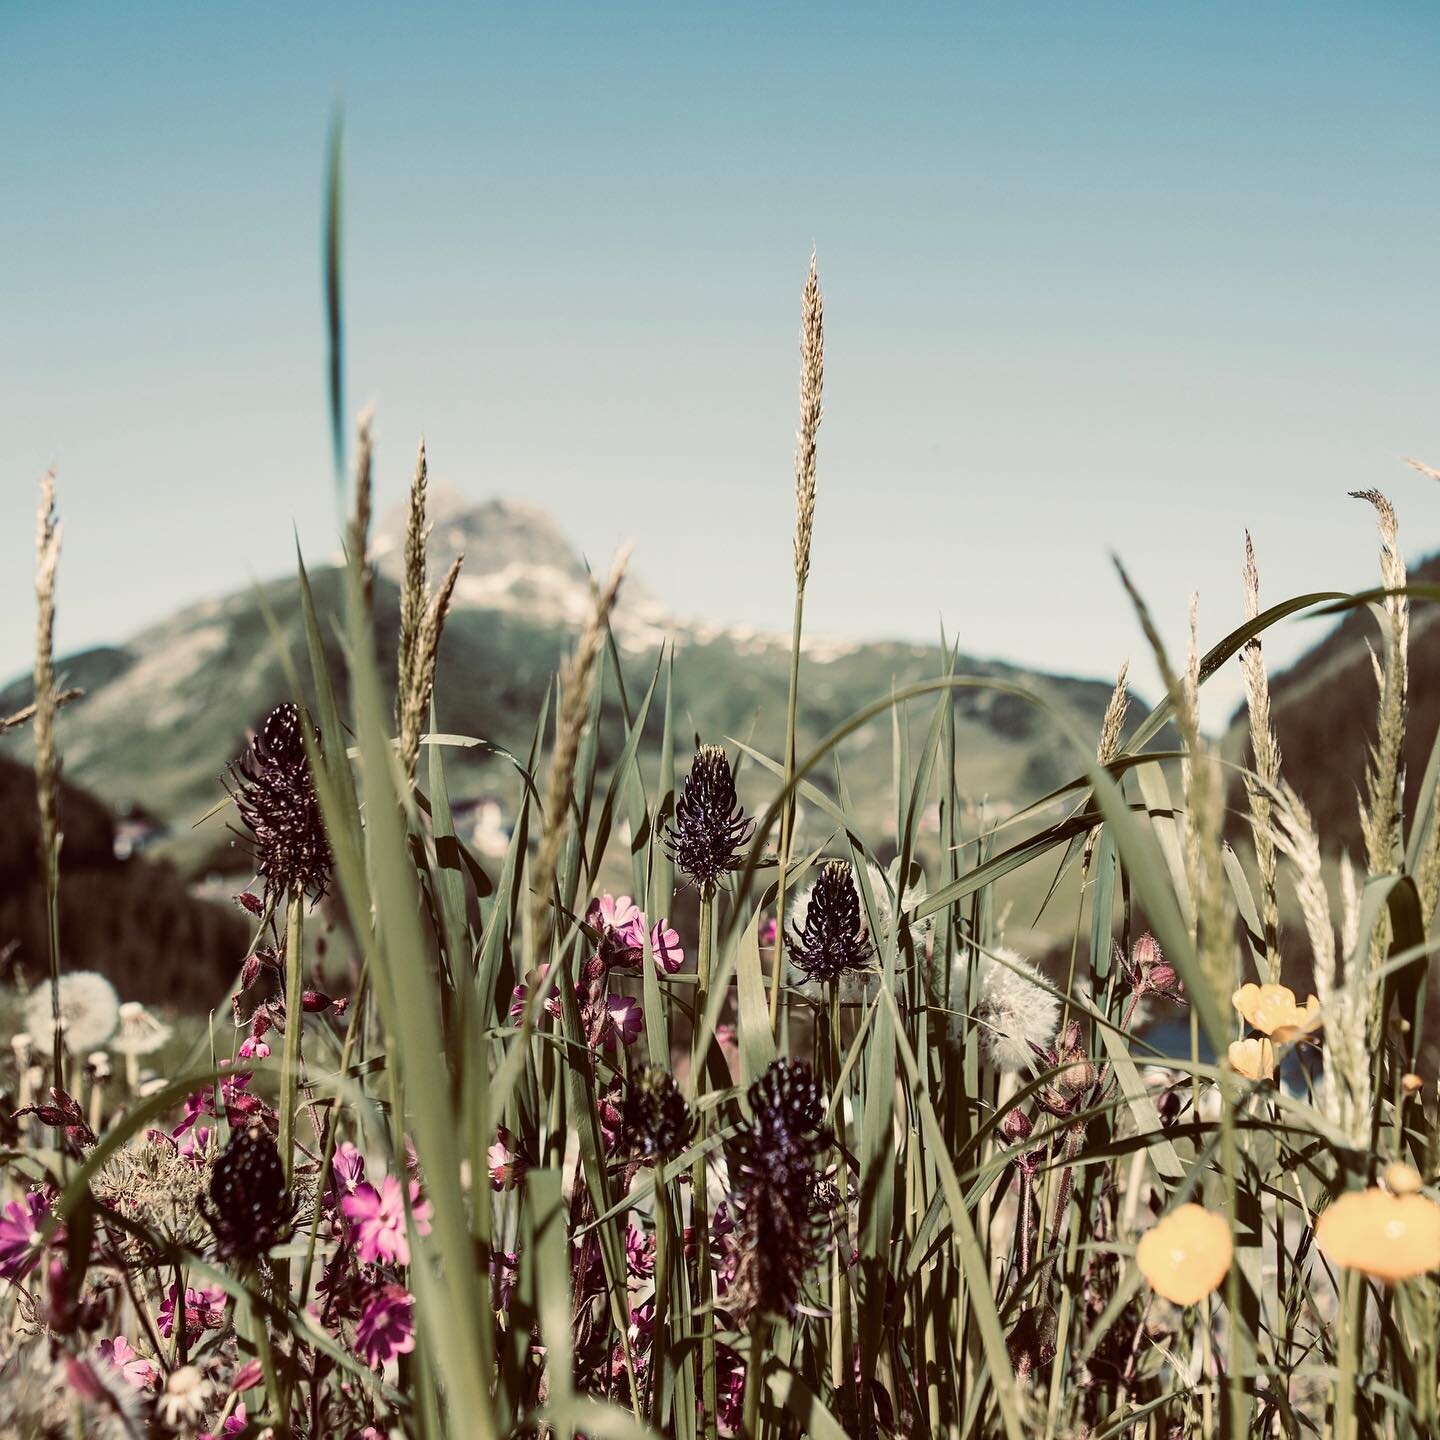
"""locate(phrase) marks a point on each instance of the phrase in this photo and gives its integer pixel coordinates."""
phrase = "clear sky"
(1121, 277)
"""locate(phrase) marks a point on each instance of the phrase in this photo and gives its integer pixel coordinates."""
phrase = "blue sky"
(1098, 277)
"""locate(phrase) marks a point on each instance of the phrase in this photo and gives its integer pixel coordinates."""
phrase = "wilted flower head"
(1016, 1014)
(184, 1399)
(250, 1207)
(709, 829)
(830, 939)
(779, 1227)
(140, 1033)
(274, 793)
(89, 1012)
(658, 1122)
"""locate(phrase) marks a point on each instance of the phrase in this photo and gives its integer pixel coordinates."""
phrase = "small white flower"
(89, 1013)
(1013, 1011)
(183, 1401)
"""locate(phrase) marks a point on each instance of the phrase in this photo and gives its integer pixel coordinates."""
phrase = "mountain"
(1324, 712)
(167, 710)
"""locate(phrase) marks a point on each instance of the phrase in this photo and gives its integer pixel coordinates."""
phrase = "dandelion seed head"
(89, 1013)
(1014, 1011)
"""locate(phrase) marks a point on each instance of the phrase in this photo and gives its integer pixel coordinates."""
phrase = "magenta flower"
(204, 1310)
(639, 1253)
(120, 1354)
(521, 994)
(377, 1221)
(195, 1143)
(386, 1327)
(627, 1018)
(20, 1226)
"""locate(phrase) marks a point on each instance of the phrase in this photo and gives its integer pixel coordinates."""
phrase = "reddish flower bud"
(1016, 1126)
(248, 900)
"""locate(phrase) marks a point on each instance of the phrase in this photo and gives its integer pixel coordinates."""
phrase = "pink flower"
(665, 946)
(507, 1164)
(204, 1310)
(626, 1016)
(387, 1326)
(769, 932)
(20, 1234)
(247, 1376)
(195, 1143)
(235, 1423)
(520, 995)
(614, 913)
(377, 1220)
(252, 1049)
(136, 1370)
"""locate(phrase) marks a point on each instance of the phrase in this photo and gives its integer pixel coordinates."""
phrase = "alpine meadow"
(719, 1098)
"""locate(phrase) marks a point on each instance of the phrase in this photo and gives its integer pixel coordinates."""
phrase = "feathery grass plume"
(359, 537)
(27, 712)
(1344, 1004)
(413, 586)
(812, 385)
(778, 1220)
(1379, 814)
(1266, 750)
(577, 676)
(1112, 726)
(422, 621)
(47, 757)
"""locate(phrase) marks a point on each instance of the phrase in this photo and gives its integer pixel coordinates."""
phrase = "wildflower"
(1254, 1059)
(347, 1165)
(709, 829)
(520, 996)
(183, 1400)
(89, 1012)
(387, 1326)
(1411, 1083)
(1389, 1237)
(204, 1309)
(665, 947)
(830, 939)
(507, 1164)
(249, 1208)
(657, 1120)
(377, 1221)
(274, 794)
(1016, 1014)
(120, 1354)
(778, 1228)
(20, 1238)
(1272, 1010)
(1186, 1255)
(614, 913)
(140, 1033)
(639, 1253)
(627, 1020)
(1402, 1179)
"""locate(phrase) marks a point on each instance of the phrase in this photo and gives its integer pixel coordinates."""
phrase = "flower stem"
(294, 1019)
(787, 811)
(759, 1335)
(699, 1200)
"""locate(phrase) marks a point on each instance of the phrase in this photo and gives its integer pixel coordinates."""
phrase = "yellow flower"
(1254, 1059)
(1402, 1179)
(1390, 1237)
(1272, 1010)
(1186, 1255)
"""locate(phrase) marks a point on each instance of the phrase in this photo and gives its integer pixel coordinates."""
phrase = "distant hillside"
(132, 920)
(1325, 715)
